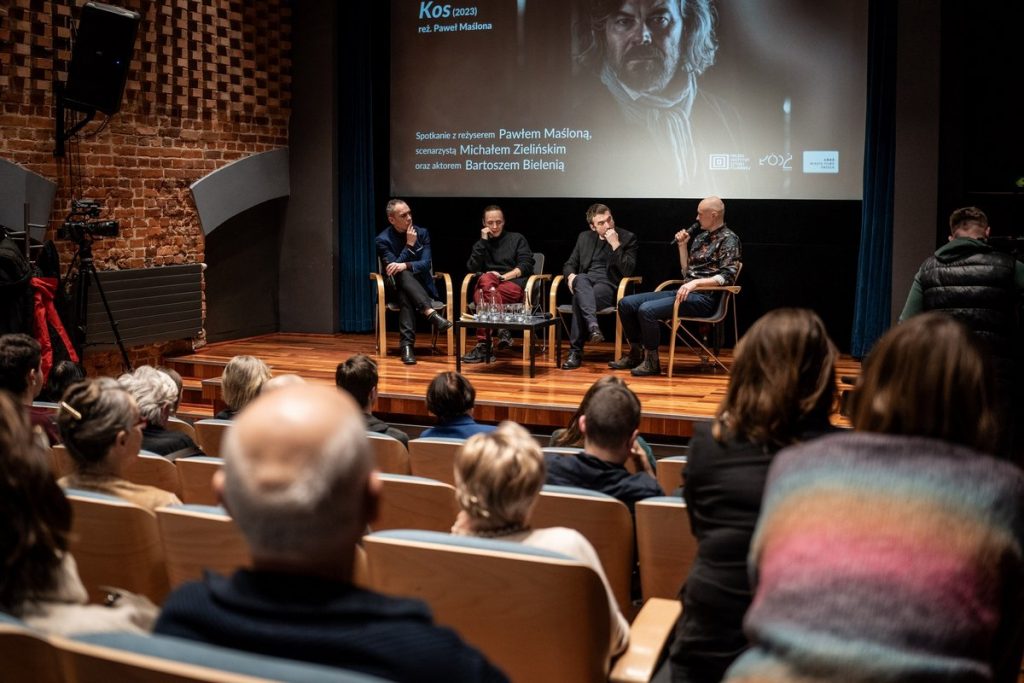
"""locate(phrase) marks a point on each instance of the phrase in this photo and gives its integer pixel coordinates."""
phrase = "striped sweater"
(886, 558)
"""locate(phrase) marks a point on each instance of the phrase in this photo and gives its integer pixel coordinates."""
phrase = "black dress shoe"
(439, 321)
(574, 361)
(595, 336)
(481, 353)
(408, 356)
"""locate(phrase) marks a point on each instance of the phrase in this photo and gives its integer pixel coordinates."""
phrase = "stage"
(504, 389)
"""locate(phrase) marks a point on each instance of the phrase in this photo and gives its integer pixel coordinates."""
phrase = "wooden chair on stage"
(196, 476)
(533, 296)
(415, 503)
(626, 284)
(716, 319)
(670, 473)
(602, 520)
(153, 470)
(390, 453)
(665, 545)
(539, 616)
(383, 306)
(198, 537)
(116, 543)
(209, 433)
(434, 458)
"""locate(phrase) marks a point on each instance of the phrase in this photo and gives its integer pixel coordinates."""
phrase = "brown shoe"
(632, 359)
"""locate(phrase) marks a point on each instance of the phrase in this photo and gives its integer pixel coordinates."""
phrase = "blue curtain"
(356, 200)
(872, 308)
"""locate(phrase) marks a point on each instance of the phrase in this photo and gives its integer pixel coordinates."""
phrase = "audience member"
(781, 391)
(62, 375)
(572, 437)
(21, 373)
(39, 583)
(101, 427)
(498, 476)
(894, 553)
(610, 426)
(156, 395)
(281, 381)
(450, 397)
(243, 378)
(179, 384)
(358, 377)
(299, 482)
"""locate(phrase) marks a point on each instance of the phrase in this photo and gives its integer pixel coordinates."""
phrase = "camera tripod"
(86, 274)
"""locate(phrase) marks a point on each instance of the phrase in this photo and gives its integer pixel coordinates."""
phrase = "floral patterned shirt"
(714, 254)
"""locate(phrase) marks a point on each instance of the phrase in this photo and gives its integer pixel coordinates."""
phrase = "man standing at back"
(299, 481)
(602, 256)
(504, 261)
(404, 251)
(982, 288)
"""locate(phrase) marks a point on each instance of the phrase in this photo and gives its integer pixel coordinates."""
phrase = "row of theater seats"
(549, 605)
(30, 655)
(434, 458)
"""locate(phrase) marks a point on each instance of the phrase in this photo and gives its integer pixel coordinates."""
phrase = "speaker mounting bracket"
(64, 135)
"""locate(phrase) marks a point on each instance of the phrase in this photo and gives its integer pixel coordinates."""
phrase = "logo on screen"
(821, 161)
(719, 162)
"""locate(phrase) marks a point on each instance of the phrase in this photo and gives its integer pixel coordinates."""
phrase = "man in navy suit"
(404, 249)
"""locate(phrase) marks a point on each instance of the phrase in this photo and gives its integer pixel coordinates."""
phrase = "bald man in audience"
(299, 481)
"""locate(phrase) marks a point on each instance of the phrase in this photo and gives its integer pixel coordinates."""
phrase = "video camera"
(80, 227)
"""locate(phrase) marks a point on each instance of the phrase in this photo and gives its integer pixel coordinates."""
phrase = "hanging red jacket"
(44, 318)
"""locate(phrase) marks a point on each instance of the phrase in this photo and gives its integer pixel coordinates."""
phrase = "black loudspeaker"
(100, 58)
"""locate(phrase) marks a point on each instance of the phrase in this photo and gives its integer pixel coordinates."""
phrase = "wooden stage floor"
(504, 389)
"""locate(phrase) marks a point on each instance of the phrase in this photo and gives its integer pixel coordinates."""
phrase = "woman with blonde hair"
(781, 391)
(101, 427)
(498, 476)
(39, 582)
(241, 382)
(894, 552)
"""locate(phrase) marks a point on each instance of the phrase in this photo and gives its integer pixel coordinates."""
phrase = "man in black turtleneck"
(505, 261)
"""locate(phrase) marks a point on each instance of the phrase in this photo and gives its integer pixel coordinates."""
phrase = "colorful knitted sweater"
(886, 558)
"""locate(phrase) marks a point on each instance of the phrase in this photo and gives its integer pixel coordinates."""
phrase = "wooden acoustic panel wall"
(148, 304)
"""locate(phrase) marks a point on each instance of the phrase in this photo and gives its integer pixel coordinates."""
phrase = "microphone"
(693, 230)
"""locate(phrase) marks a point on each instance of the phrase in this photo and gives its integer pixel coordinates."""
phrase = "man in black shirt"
(358, 376)
(602, 257)
(505, 261)
(610, 426)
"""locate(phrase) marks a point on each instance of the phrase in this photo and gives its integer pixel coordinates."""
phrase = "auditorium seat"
(116, 543)
(538, 615)
(114, 657)
(390, 453)
(434, 458)
(209, 433)
(670, 473)
(176, 424)
(196, 476)
(61, 463)
(415, 503)
(603, 520)
(198, 537)
(27, 654)
(153, 470)
(665, 545)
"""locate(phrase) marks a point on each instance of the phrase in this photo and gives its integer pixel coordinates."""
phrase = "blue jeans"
(641, 313)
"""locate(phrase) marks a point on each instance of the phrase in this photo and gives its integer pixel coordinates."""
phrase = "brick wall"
(209, 84)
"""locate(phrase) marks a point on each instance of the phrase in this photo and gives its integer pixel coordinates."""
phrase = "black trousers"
(588, 297)
(412, 299)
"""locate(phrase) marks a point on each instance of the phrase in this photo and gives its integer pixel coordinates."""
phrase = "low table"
(535, 325)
